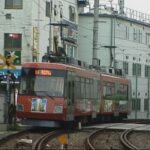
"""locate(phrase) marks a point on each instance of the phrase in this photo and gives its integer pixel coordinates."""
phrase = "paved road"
(143, 127)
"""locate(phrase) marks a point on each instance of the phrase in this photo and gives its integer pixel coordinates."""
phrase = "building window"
(125, 67)
(61, 13)
(147, 68)
(48, 7)
(55, 10)
(140, 36)
(13, 4)
(127, 57)
(72, 13)
(145, 104)
(127, 33)
(147, 38)
(136, 104)
(13, 45)
(134, 34)
(12, 41)
(136, 68)
(72, 51)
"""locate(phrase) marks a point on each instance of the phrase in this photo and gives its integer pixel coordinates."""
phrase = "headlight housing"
(20, 107)
(58, 109)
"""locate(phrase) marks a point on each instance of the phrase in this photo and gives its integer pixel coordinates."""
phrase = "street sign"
(15, 72)
(8, 61)
(63, 139)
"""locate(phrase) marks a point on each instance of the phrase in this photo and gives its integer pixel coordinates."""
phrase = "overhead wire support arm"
(61, 25)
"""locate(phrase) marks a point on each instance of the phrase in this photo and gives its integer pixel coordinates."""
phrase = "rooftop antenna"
(121, 7)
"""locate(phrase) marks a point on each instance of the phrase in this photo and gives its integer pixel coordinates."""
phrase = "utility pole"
(148, 92)
(8, 98)
(136, 86)
(50, 30)
(95, 33)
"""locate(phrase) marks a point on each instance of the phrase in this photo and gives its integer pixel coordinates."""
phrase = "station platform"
(5, 131)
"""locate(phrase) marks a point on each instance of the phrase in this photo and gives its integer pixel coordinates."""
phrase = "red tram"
(51, 94)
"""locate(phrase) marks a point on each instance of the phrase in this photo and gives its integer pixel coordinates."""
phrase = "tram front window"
(42, 85)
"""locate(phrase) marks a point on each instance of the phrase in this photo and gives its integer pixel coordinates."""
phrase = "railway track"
(89, 141)
(22, 139)
(130, 139)
(105, 137)
(126, 142)
(40, 143)
(122, 136)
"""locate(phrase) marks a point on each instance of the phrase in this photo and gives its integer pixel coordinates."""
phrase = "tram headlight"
(58, 109)
(20, 107)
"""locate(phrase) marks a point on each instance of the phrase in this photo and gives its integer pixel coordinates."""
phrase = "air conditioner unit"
(111, 70)
(8, 16)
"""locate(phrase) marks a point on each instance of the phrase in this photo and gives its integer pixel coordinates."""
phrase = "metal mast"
(50, 30)
(95, 33)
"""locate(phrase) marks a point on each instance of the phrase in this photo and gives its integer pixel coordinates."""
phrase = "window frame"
(72, 13)
(125, 67)
(136, 104)
(10, 43)
(12, 4)
(146, 104)
(136, 69)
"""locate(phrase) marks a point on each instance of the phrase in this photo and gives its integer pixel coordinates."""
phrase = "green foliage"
(116, 97)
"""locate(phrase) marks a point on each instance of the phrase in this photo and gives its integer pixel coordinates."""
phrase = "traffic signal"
(1, 77)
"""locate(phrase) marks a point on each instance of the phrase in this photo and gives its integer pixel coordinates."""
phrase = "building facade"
(31, 28)
(123, 43)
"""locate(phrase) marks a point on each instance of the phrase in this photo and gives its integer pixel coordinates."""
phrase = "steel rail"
(40, 142)
(125, 140)
(88, 140)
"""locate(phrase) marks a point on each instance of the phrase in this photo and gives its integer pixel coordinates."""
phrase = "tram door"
(70, 95)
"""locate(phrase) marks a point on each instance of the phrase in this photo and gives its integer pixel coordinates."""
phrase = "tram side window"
(83, 88)
(122, 92)
(108, 90)
(77, 87)
(87, 88)
(95, 92)
(98, 89)
(70, 86)
(91, 88)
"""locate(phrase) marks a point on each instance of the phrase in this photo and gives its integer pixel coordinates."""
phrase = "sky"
(139, 5)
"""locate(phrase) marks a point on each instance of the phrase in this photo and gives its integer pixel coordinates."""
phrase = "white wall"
(32, 15)
(126, 49)
(86, 39)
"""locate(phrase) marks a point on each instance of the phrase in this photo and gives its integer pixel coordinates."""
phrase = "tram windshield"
(42, 84)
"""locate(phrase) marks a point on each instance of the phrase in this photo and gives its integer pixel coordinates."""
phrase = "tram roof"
(78, 69)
